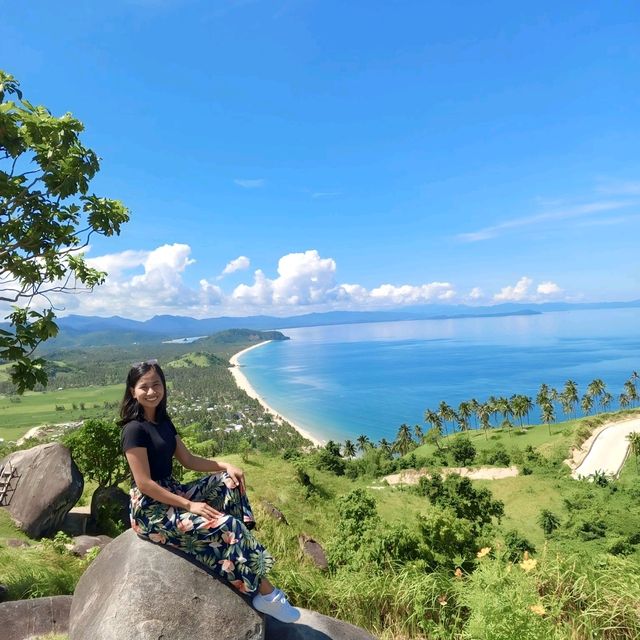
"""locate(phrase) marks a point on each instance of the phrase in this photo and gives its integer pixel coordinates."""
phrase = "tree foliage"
(95, 448)
(47, 216)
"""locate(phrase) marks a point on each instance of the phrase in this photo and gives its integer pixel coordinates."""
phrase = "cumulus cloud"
(240, 263)
(246, 183)
(548, 289)
(141, 284)
(521, 291)
(516, 292)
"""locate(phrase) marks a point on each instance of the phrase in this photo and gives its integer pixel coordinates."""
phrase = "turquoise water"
(342, 381)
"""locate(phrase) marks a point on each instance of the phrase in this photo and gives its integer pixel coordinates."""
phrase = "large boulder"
(315, 626)
(109, 511)
(27, 619)
(138, 590)
(49, 483)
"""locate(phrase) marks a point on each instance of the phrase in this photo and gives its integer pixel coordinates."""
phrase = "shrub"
(516, 545)
(459, 494)
(462, 450)
(95, 448)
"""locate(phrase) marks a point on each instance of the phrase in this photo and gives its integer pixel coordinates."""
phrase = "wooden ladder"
(8, 481)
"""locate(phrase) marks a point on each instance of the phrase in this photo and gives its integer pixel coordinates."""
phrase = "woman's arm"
(196, 463)
(138, 460)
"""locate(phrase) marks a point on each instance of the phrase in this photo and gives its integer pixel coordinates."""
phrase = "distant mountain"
(91, 330)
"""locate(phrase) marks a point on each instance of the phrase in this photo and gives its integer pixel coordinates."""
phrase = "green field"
(19, 413)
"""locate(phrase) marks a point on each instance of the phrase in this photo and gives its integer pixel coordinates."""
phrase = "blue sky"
(286, 157)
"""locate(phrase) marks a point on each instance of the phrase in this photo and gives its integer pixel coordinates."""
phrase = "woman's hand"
(236, 474)
(205, 510)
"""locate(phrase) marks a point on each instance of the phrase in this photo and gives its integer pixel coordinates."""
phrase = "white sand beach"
(243, 383)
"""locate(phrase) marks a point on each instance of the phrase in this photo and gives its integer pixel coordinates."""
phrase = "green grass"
(8, 529)
(19, 413)
(195, 359)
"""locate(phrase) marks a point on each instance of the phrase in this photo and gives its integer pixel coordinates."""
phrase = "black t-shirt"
(158, 439)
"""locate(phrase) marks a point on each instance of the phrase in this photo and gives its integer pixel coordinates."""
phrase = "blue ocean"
(342, 381)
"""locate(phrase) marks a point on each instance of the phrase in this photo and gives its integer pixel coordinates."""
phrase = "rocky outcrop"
(109, 507)
(273, 511)
(82, 544)
(137, 590)
(315, 626)
(49, 484)
(314, 551)
(26, 619)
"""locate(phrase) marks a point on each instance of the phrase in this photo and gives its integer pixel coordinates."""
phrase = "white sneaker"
(276, 605)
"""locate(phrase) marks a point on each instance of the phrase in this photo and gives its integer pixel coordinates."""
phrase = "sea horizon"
(342, 381)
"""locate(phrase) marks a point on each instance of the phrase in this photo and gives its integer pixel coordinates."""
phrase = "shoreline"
(242, 382)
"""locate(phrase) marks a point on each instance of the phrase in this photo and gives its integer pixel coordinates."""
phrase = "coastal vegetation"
(538, 555)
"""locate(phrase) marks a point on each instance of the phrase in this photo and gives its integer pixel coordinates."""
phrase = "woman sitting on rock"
(208, 518)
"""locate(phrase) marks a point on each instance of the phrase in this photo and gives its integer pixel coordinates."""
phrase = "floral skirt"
(223, 544)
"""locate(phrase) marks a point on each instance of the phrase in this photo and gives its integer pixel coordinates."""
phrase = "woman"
(209, 518)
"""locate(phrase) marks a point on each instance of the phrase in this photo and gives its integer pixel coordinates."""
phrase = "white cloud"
(545, 218)
(240, 263)
(141, 284)
(548, 289)
(514, 293)
(521, 291)
(246, 183)
(410, 294)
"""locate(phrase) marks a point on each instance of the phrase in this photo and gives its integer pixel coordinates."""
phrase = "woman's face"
(149, 392)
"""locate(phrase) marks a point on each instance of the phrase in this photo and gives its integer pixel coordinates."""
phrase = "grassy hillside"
(19, 413)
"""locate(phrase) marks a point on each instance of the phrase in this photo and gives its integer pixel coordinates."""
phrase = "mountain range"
(93, 330)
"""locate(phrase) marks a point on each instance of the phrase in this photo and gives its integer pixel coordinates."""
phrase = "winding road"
(609, 450)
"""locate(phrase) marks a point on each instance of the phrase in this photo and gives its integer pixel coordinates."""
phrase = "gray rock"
(314, 551)
(108, 504)
(314, 626)
(49, 485)
(82, 544)
(25, 619)
(16, 543)
(137, 590)
(273, 511)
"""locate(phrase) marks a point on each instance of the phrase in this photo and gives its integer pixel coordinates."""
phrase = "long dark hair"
(130, 408)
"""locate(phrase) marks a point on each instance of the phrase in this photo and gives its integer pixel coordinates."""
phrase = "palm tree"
(363, 442)
(464, 413)
(446, 413)
(586, 404)
(624, 400)
(504, 407)
(433, 418)
(543, 395)
(385, 447)
(634, 443)
(570, 394)
(404, 440)
(492, 405)
(595, 389)
(349, 449)
(548, 414)
(631, 391)
(605, 401)
(475, 405)
(417, 429)
(484, 413)
(522, 406)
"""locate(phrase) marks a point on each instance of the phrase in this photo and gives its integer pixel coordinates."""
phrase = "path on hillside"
(412, 476)
(609, 450)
